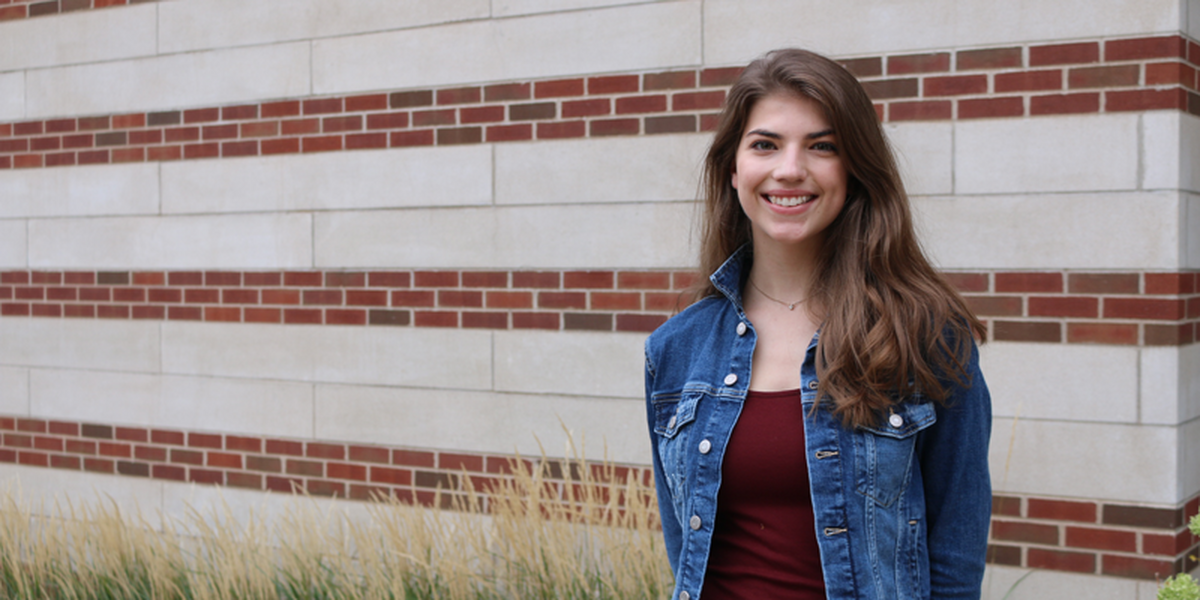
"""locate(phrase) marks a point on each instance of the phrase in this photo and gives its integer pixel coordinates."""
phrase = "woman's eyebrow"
(775, 136)
(764, 133)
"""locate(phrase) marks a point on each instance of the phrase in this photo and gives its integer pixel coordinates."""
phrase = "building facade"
(359, 247)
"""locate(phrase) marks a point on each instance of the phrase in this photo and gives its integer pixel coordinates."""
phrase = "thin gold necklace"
(789, 305)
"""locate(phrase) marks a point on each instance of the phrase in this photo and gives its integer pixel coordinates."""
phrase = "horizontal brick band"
(1140, 74)
(22, 9)
(1093, 537)
(573, 300)
(1049, 533)
(319, 468)
(1125, 308)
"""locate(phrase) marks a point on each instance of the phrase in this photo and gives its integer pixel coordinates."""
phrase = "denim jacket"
(902, 508)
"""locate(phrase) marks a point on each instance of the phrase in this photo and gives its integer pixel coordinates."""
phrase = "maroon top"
(764, 542)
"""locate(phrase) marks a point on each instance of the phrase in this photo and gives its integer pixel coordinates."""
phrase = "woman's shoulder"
(689, 341)
(691, 321)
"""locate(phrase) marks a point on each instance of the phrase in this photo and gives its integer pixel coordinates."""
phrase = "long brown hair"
(892, 324)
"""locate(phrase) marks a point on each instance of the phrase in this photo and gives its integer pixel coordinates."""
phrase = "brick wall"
(1152, 309)
(1117, 75)
(264, 246)
(1093, 537)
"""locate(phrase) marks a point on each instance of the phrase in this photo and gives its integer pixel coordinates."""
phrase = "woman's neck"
(783, 273)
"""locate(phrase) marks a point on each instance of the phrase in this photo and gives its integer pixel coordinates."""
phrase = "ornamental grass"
(525, 535)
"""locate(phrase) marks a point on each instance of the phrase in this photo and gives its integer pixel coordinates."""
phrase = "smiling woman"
(819, 423)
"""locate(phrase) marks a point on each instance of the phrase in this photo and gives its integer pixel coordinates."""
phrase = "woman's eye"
(761, 145)
(825, 147)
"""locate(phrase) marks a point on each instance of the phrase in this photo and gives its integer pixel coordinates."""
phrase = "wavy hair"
(891, 324)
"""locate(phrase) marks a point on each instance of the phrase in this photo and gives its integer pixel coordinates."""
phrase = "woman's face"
(788, 173)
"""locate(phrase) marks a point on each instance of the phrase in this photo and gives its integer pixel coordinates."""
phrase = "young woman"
(818, 418)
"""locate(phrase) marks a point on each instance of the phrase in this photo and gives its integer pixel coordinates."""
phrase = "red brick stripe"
(570, 300)
(1094, 537)
(1128, 308)
(1077, 535)
(1138, 74)
(1149, 309)
(22, 9)
(321, 468)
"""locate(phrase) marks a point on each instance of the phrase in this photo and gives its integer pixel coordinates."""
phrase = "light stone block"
(94, 190)
(570, 363)
(13, 244)
(647, 36)
(275, 513)
(1170, 384)
(924, 152)
(131, 346)
(865, 26)
(1189, 461)
(441, 176)
(41, 488)
(217, 77)
(631, 236)
(273, 408)
(1190, 221)
(1189, 148)
(85, 36)
(180, 507)
(412, 357)
(1101, 231)
(12, 96)
(1047, 154)
(1189, 385)
(618, 169)
(1191, 19)
(1114, 462)
(1159, 385)
(1072, 382)
(186, 26)
(657, 235)
(1010, 583)
(14, 391)
(260, 241)
(1166, 150)
(509, 8)
(428, 238)
(484, 422)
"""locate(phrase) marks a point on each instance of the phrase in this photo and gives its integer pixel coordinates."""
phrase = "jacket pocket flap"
(905, 419)
(669, 417)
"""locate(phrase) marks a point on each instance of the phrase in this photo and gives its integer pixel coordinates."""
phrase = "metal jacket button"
(741, 329)
(685, 596)
(705, 446)
(694, 522)
(812, 384)
(730, 379)
(895, 420)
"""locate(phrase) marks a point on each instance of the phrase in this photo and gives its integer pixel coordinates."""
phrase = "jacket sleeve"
(672, 531)
(958, 490)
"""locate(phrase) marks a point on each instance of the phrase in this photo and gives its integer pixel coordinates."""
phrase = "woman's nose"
(790, 167)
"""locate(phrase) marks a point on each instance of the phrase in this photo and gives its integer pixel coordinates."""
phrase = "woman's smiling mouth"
(789, 201)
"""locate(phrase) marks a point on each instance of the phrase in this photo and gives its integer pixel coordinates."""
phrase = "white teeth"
(790, 200)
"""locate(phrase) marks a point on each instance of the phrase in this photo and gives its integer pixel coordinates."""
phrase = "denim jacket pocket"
(670, 416)
(672, 428)
(883, 455)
